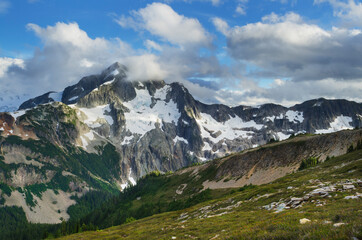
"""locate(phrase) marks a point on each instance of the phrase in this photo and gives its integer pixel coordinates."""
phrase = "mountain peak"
(73, 93)
(114, 69)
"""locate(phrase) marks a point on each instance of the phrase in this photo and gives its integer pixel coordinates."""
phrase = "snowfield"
(142, 118)
(340, 123)
(17, 114)
(294, 116)
(94, 114)
(231, 129)
(282, 136)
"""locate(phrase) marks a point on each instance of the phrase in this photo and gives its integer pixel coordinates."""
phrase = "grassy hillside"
(158, 193)
(325, 196)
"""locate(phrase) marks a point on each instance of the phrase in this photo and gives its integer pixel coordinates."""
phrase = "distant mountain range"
(105, 132)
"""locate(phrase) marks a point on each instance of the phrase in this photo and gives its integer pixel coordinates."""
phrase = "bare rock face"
(45, 98)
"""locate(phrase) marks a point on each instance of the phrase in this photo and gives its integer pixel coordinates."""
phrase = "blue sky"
(97, 17)
(233, 52)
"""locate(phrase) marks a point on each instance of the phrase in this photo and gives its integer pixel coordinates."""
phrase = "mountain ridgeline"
(105, 132)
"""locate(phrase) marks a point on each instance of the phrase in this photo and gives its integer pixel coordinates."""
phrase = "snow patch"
(206, 147)
(270, 118)
(340, 123)
(131, 179)
(186, 123)
(94, 114)
(282, 136)
(73, 98)
(294, 116)
(17, 114)
(108, 82)
(231, 129)
(180, 139)
(124, 185)
(127, 140)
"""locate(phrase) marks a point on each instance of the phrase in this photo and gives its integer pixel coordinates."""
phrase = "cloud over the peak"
(144, 67)
(67, 54)
(162, 21)
(287, 47)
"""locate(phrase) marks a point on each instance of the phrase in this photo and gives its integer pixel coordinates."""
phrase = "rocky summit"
(105, 132)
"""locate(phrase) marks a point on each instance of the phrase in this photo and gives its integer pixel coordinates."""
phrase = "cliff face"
(105, 132)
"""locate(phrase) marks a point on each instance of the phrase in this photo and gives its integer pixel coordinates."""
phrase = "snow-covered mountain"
(123, 130)
(132, 114)
(135, 115)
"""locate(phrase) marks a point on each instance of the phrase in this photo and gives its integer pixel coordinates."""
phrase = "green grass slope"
(156, 193)
(328, 196)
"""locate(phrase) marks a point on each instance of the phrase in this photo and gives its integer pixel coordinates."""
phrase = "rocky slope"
(157, 193)
(320, 202)
(105, 132)
(272, 161)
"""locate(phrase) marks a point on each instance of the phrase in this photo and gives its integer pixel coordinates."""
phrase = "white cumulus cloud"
(287, 47)
(349, 11)
(161, 20)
